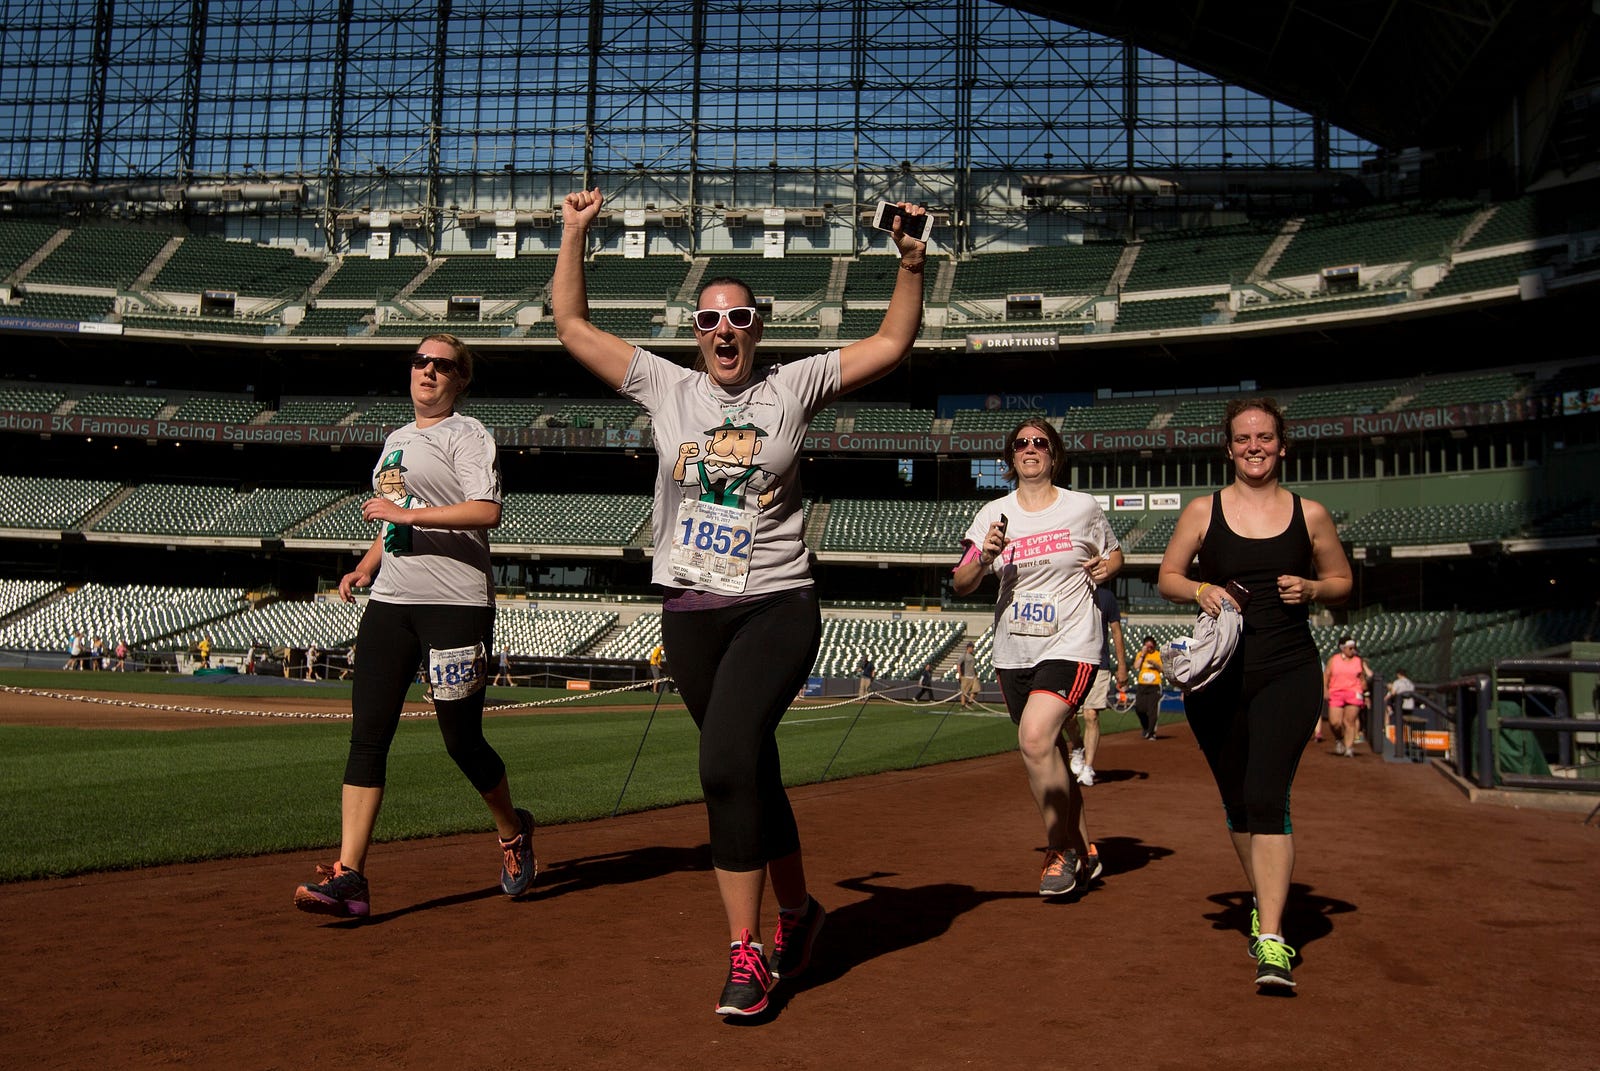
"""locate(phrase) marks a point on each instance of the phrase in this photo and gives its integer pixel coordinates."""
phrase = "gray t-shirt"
(449, 462)
(736, 453)
(1045, 609)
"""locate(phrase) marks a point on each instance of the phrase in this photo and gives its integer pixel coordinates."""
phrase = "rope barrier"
(626, 781)
(499, 708)
(987, 711)
(322, 715)
(181, 708)
(865, 699)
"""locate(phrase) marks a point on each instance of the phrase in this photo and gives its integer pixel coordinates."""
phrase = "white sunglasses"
(741, 317)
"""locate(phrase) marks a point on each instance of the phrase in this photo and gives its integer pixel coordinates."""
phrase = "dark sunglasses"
(742, 317)
(444, 366)
(1039, 443)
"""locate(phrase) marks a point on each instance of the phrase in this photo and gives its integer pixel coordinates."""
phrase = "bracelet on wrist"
(913, 264)
(1198, 590)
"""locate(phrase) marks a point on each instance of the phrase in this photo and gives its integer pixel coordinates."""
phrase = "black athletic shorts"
(1069, 681)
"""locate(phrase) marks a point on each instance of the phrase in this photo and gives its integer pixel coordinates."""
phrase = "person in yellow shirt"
(1147, 687)
(658, 658)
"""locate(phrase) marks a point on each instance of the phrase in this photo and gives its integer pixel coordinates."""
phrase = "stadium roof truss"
(438, 106)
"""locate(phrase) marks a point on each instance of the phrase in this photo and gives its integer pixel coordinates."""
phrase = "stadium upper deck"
(1374, 264)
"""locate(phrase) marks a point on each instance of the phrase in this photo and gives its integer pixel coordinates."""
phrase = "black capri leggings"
(738, 668)
(394, 638)
(1253, 727)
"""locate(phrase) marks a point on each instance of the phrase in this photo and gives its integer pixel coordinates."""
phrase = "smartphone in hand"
(917, 227)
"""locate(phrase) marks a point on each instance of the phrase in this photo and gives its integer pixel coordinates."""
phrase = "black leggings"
(738, 668)
(1253, 728)
(393, 638)
(1147, 704)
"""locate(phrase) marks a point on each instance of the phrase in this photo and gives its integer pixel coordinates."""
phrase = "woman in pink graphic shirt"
(1049, 548)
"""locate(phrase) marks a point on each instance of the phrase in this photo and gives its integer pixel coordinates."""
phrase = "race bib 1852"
(712, 545)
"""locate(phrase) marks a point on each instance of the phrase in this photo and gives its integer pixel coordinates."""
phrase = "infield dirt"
(1431, 931)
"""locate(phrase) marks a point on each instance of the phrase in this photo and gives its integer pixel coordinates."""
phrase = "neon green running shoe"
(1255, 931)
(1272, 964)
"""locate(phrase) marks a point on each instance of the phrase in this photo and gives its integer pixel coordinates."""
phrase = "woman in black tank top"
(1271, 553)
(1276, 633)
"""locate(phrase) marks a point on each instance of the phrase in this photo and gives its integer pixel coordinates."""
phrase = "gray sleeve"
(476, 461)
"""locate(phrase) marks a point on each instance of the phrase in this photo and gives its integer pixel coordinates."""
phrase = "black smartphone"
(1240, 593)
(913, 226)
(1003, 524)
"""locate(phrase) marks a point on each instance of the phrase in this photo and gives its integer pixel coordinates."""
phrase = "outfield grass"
(79, 800)
(74, 800)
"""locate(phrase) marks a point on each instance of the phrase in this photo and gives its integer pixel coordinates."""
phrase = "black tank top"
(1276, 636)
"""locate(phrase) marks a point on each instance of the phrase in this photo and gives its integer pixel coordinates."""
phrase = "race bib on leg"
(457, 672)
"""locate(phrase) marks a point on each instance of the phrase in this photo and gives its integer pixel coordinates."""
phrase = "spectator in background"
(967, 677)
(313, 654)
(204, 648)
(503, 674)
(658, 659)
(925, 685)
(1400, 692)
(1147, 687)
(1085, 747)
(867, 671)
(1399, 699)
(121, 665)
(349, 662)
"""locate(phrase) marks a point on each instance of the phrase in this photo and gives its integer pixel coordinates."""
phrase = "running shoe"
(1255, 931)
(1060, 874)
(520, 865)
(342, 892)
(1077, 762)
(797, 932)
(1092, 867)
(748, 979)
(1272, 964)
(1338, 749)
(1086, 776)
